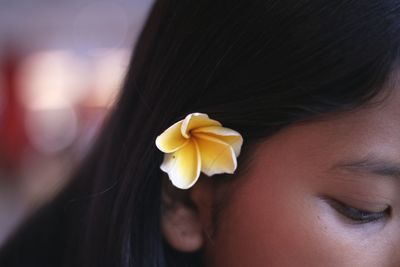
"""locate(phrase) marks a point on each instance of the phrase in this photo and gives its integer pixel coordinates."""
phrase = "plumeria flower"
(198, 143)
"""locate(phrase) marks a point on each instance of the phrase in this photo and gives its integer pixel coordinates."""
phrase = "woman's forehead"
(373, 131)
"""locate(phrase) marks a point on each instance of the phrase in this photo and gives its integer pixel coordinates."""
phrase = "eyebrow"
(372, 165)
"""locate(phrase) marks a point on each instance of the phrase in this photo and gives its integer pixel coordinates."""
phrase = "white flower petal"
(171, 139)
(216, 155)
(227, 135)
(196, 120)
(183, 166)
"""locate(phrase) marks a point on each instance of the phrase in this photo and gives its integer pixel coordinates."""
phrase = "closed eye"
(356, 215)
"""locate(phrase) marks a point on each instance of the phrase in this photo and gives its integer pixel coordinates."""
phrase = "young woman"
(312, 88)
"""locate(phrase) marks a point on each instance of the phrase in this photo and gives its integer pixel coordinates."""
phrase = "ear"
(186, 218)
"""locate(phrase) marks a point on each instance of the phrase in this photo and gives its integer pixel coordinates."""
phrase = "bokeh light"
(52, 130)
(52, 80)
(91, 20)
(109, 67)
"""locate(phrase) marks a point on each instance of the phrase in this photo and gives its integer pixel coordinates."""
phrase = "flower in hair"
(198, 143)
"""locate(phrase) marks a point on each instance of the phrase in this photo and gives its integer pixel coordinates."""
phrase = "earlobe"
(182, 228)
(185, 218)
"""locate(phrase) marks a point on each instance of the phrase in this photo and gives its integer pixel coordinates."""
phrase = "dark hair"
(255, 66)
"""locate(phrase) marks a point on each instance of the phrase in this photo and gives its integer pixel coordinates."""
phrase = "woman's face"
(299, 203)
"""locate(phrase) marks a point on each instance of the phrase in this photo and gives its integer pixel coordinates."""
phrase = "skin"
(277, 215)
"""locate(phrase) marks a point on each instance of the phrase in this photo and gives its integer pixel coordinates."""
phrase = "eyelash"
(358, 215)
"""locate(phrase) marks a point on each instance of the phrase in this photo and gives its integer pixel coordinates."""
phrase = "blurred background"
(61, 67)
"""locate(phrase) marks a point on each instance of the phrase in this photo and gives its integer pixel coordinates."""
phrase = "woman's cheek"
(289, 227)
(273, 227)
(342, 243)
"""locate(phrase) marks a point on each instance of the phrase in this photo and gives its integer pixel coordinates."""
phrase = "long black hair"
(256, 66)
